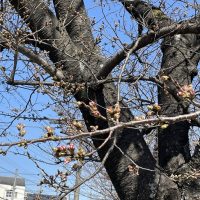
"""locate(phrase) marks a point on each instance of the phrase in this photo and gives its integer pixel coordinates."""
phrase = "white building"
(12, 187)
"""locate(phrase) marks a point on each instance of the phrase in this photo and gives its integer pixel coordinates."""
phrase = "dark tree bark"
(72, 48)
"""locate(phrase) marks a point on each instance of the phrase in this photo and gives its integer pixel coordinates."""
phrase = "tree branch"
(120, 126)
(33, 57)
(146, 14)
(44, 24)
(75, 20)
(183, 28)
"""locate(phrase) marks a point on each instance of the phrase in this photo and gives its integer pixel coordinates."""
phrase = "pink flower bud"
(71, 146)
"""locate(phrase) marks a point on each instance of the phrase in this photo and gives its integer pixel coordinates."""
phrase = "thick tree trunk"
(180, 59)
(151, 183)
(179, 63)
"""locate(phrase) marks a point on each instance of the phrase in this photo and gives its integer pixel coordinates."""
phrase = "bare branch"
(183, 28)
(34, 58)
(120, 126)
(44, 24)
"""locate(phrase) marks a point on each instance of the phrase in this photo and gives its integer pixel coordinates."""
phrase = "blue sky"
(111, 14)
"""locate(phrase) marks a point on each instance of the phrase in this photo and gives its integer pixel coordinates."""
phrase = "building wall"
(20, 190)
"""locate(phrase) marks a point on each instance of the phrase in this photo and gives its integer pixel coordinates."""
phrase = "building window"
(9, 193)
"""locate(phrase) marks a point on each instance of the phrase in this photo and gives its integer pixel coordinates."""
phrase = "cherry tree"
(123, 84)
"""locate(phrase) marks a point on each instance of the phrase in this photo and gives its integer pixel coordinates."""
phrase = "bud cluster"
(80, 154)
(94, 110)
(77, 124)
(21, 129)
(153, 109)
(114, 112)
(92, 107)
(23, 144)
(186, 92)
(50, 131)
(69, 153)
(63, 150)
